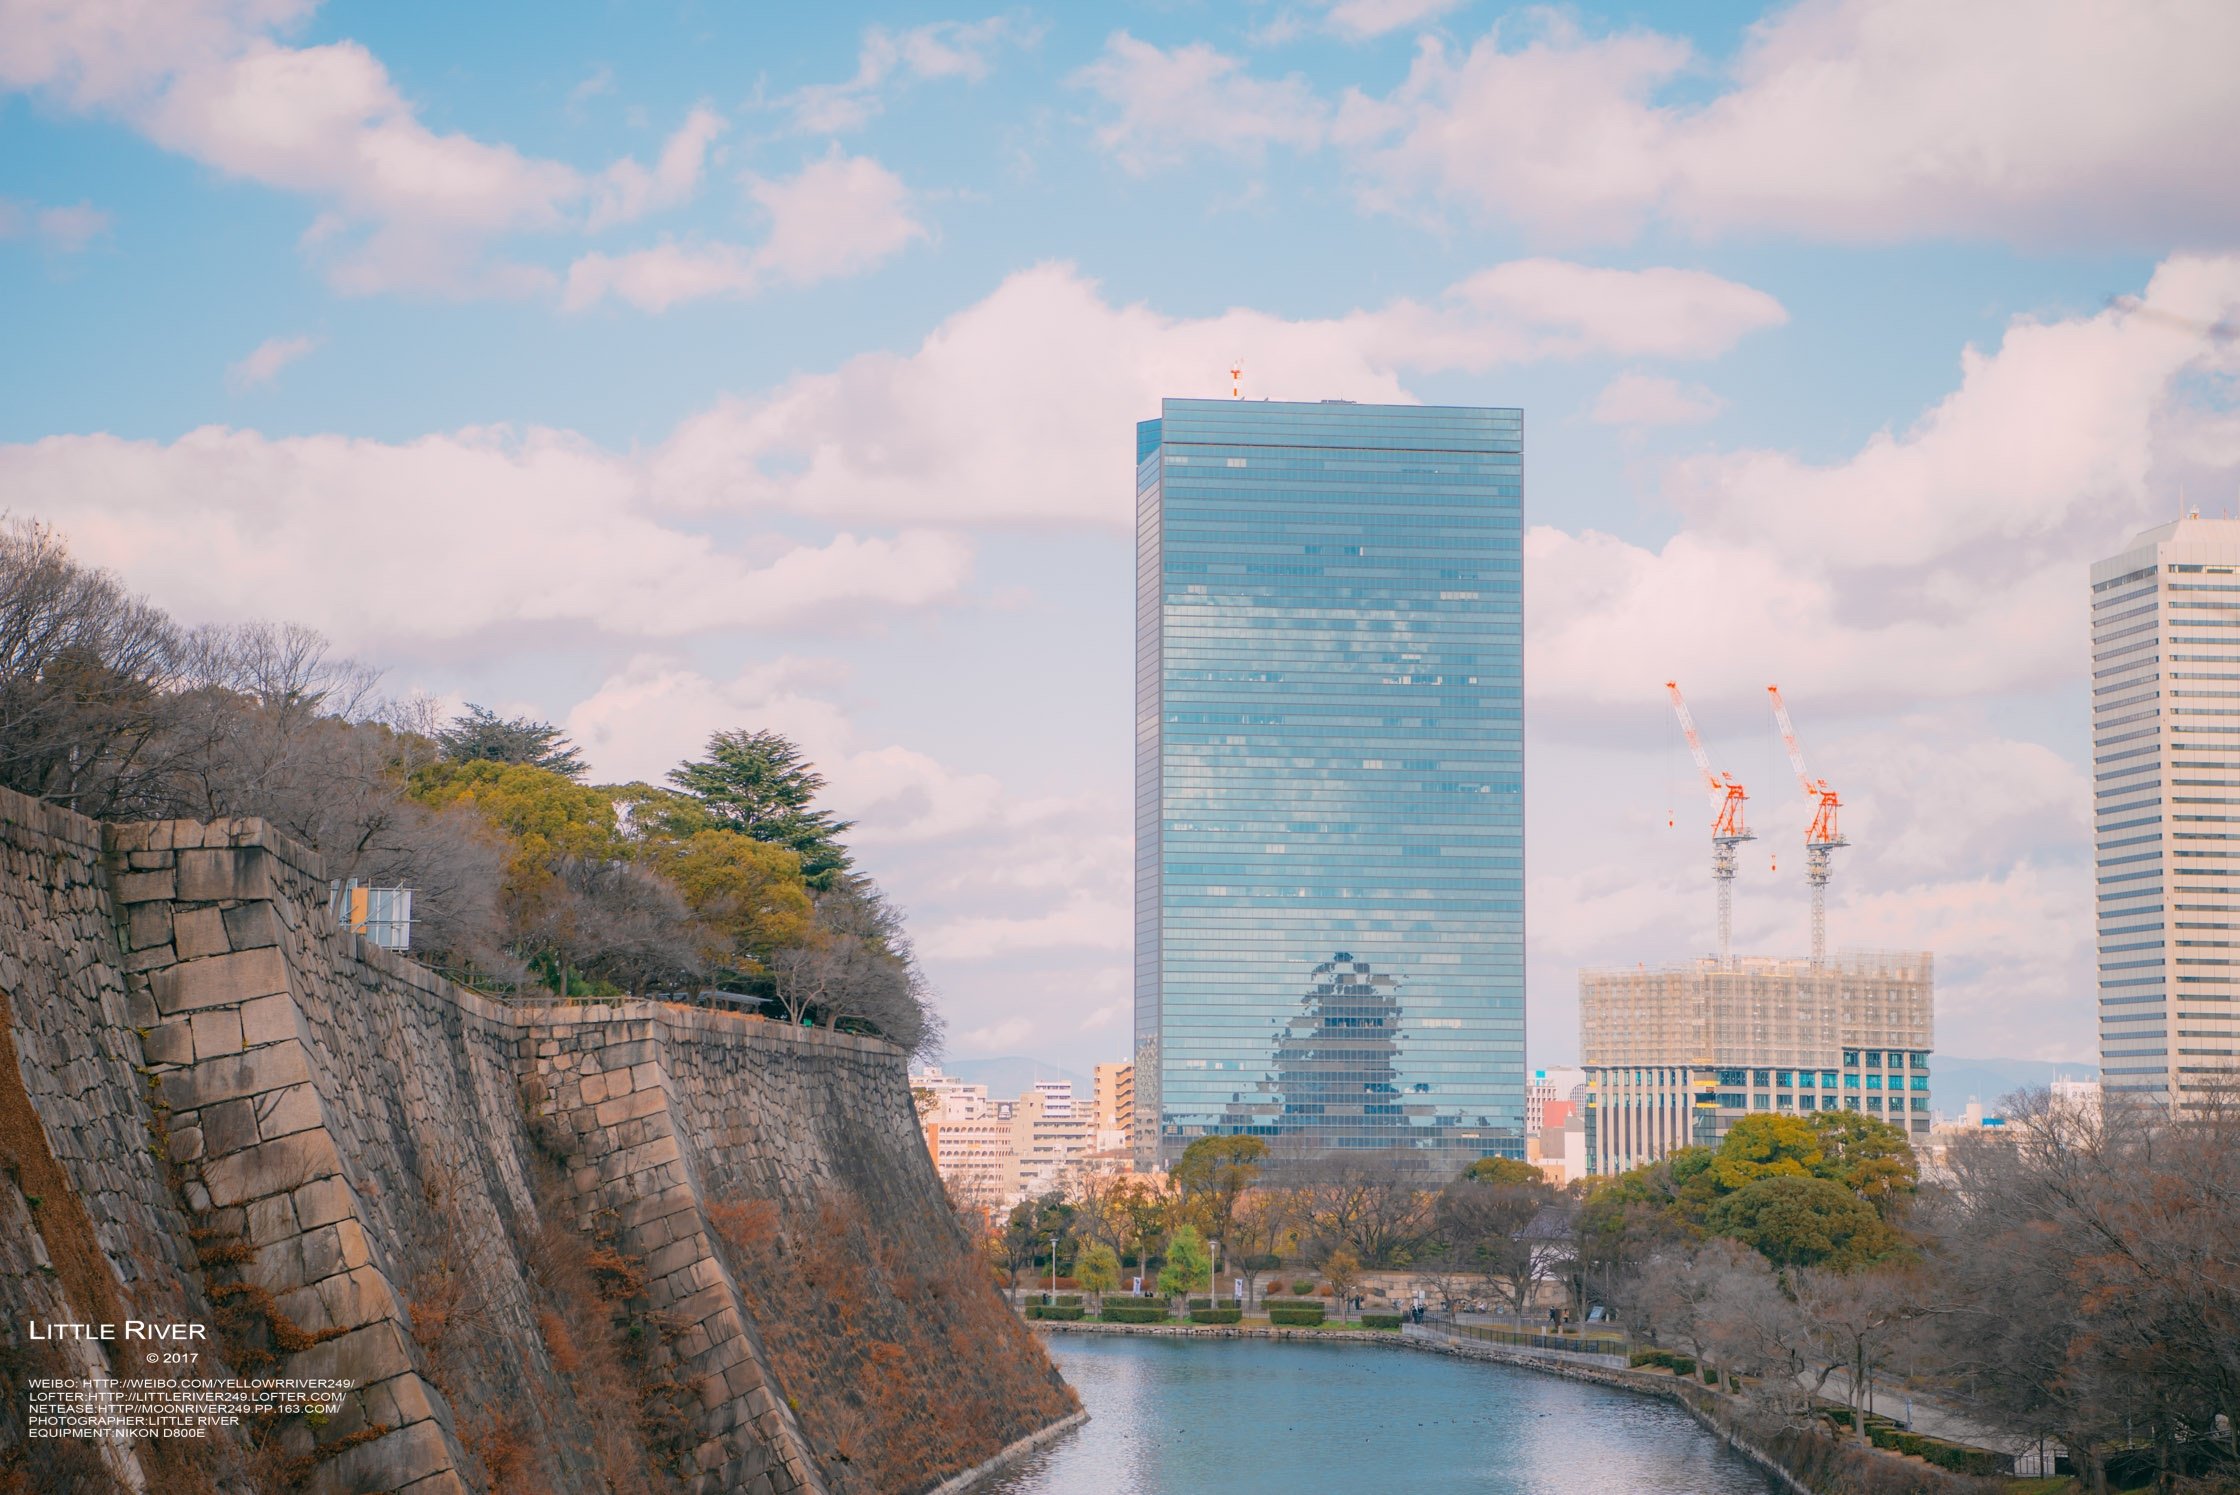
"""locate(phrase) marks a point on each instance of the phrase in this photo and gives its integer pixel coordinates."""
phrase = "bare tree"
(1378, 1205)
(856, 966)
(1490, 1226)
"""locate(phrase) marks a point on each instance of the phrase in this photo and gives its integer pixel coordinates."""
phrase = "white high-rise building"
(2166, 807)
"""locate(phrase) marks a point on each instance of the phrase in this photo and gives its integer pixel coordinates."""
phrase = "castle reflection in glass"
(1330, 777)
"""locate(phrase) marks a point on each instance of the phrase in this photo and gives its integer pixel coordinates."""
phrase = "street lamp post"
(1053, 1269)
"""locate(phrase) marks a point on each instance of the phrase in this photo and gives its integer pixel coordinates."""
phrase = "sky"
(659, 369)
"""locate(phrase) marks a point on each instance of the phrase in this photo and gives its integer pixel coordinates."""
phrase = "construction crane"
(1821, 837)
(1727, 828)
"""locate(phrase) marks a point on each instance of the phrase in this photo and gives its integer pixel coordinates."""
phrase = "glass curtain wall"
(1330, 777)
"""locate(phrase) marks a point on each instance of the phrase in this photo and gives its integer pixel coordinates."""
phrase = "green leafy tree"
(1796, 1221)
(1767, 1146)
(1503, 1171)
(757, 783)
(1868, 1156)
(748, 896)
(480, 735)
(1097, 1269)
(1188, 1268)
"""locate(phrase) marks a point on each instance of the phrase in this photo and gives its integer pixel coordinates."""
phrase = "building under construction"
(1676, 1054)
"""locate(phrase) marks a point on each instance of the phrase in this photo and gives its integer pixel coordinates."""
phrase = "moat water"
(1246, 1417)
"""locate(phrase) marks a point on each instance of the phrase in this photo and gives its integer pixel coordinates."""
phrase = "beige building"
(1674, 1055)
(1115, 1105)
(2165, 797)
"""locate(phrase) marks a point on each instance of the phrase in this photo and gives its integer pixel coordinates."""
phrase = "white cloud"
(1861, 120)
(1082, 922)
(1937, 563)
(1169, 102)
(1362, 19)
(65, 230)
(404, 206)
(1909, 598)
(628, 191)
(266, 360)
(997, 416)
(445, 538)
(839, 216)
(1009, 894)
(1634, 399)
(938, 50)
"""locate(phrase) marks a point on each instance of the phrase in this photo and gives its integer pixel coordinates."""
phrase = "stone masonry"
(370, 1132)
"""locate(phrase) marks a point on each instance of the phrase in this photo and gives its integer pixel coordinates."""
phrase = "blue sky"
(658, 369)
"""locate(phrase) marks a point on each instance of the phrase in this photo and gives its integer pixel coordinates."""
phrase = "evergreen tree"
(758, 783)
(483, 736)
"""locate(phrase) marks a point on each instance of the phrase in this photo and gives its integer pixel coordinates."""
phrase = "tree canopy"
(480, 735)
(759, 784)
(1799, 1221)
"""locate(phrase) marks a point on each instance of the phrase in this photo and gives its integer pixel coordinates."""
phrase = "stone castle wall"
(457, 1203)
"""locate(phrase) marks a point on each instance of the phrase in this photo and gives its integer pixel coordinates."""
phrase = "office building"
(1675, 1055)
(2166, 799)
(1329, 778)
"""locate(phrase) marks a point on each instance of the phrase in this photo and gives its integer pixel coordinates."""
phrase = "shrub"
(1303, 1288)
(1132, 1313)
(1380, 1321)
(1066, 1312)
(1710, 1376)
(1957, 1457)
(1273, 1303)
(1069, 1300)
(1304, 1318)
(1679, 1365)
(1215, 1315)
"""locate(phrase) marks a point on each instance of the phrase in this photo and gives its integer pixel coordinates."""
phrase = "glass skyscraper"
(1330, 777)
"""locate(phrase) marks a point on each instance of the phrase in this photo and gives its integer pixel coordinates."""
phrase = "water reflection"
(1170, 1417)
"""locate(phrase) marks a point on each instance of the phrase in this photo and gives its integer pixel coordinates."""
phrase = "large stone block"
(251, 926)
(271, 1168)
(197, 932)
(220, 979)
(269, 1020)
(393, 1462)
(147, 924)
(234, 873)
(252, 1073)
(143, 887)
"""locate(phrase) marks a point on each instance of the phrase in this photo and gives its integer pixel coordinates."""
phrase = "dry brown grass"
(902, 1365)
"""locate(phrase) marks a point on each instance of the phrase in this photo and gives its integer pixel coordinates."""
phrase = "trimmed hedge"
(1297, 1318)
(1213, 1302)
(1315, 1303)
(1957, 1457)
(1215, 1315)
(1129, 1313)
(1679, 1365)
(1380, 1321)
(1062, 1311)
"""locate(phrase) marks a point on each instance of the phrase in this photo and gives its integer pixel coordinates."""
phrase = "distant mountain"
(1010, 1077)
(1954, 1081)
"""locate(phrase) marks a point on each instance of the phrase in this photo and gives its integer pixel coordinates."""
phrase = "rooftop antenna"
(1236, 381)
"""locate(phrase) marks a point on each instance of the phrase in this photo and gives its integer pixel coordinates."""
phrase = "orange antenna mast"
(1236, 381)
(1727, 828)
(1822, 836)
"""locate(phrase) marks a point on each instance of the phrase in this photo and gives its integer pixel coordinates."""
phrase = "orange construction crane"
(1727, 828)
(1822, 836)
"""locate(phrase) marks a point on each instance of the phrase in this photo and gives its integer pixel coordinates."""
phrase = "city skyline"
(654, 375)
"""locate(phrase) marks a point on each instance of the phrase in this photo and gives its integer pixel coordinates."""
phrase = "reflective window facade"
(1330, 777)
